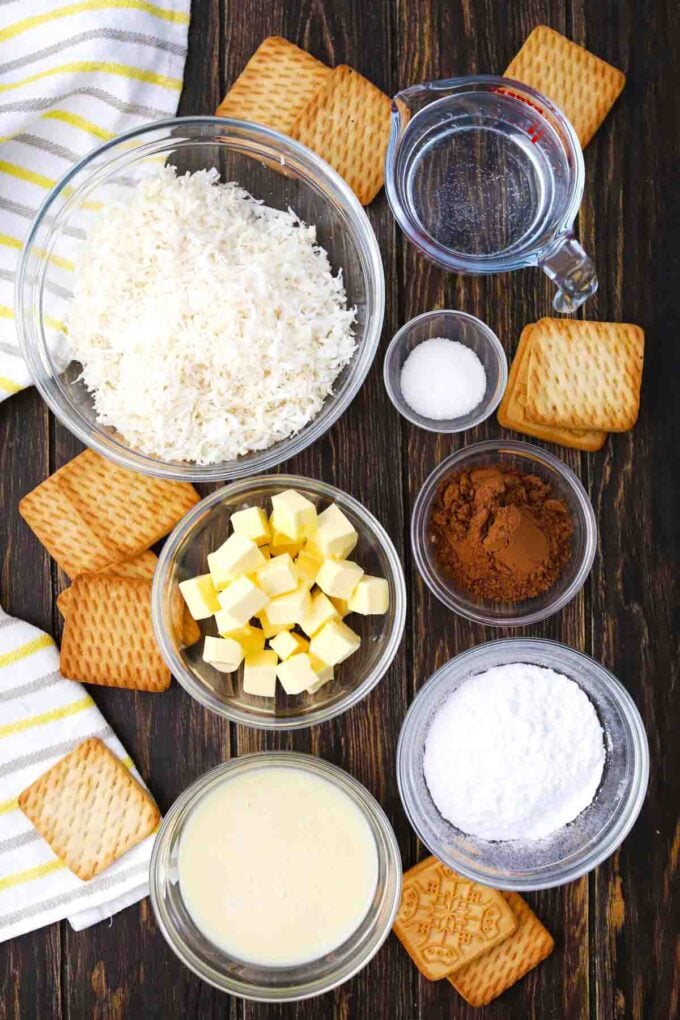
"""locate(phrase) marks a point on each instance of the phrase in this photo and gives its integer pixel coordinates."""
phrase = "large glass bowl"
(529, 460)
(252, 981)
(576, 848)
(201, 531)
(271, 167)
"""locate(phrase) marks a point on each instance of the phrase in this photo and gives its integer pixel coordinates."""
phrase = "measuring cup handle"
(572, 271)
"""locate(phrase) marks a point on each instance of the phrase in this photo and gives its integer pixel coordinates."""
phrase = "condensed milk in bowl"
(275, 876)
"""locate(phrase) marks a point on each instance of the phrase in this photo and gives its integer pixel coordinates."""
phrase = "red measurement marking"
(534, 131)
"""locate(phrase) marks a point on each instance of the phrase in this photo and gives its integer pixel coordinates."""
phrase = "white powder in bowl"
(514, 753)
(442, 379)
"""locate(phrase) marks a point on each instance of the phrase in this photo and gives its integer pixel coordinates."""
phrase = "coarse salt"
(442, 379)
(514, 753)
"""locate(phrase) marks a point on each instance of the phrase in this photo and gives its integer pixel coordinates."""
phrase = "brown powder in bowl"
(499, 534)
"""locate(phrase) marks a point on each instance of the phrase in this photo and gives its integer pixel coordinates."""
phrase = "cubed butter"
(277, 576)
(200, 595)
(321, 611)
(323, 672)
(334, 536)
(341, 606)
(281, 543)
(270, 629)
(371, 596)
(339, 577)
(238, 555)
(251, 639)
(296, 674)
(224, 654)
(242, 599)
(293, 514)
(259, 674)
(334, 643)
(226, 623)
(291, 607)
(252, 523)
(287, 643)
(307, 565)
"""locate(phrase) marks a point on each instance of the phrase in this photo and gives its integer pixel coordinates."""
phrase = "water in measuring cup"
(480, 183)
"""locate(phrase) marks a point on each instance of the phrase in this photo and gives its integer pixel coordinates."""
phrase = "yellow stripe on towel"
(93, 5)
(7, 386)
(97, 67)
(44, 717)
(76, 121)
(23, 651)
(29, 874)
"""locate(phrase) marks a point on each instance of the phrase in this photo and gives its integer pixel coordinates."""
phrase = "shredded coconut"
(514, 753)
(207, 324)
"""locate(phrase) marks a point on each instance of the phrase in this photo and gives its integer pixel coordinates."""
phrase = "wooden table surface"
(615, 930)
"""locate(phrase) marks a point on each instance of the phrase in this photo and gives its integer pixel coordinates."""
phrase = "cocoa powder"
(499, 534)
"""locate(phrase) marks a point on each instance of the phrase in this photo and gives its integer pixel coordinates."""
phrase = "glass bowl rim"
(185, 676)
(310, 763)
(629, 711)
(584, 509)
(447, 426)
(91, 434)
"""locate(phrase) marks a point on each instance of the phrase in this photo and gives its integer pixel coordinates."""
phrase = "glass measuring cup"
(485, 175)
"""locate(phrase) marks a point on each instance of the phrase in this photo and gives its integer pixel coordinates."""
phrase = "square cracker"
(348, 124)
(445, 921)
(583, 86)
(108, 635)
(490, 975)
(143, 566)
(91, 512)
(512, 410)
(275, 86)
(585, 374)
(89, 809)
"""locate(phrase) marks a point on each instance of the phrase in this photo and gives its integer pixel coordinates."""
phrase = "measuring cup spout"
(568, 266)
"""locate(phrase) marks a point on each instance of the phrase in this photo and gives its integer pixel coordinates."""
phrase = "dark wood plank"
(630, 205)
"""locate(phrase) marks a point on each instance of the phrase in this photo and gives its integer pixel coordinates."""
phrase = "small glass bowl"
(251, 981)
(573, 850)
(565, 485)
(467, 330)
(274, 169)
(184, 554)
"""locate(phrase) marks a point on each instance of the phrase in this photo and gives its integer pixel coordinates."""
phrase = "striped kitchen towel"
(42, 718)
(71, 76)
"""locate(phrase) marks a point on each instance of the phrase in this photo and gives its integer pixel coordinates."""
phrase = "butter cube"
(334, 536)
(238, 555)
(251, 639)
(224, 654)
(252, 523)
(323, 672)
(321, 611)
(286, 644)
(259, 674)
(291, 607)
(270, 629)
(341, 606)
(200, 596)
(277, 576)
(339, 577)
(226, 624)
(307, 565)
(370, 597)
(242, 599)
(293, 514)
(334, 643)
(281, 543)
(296, 674)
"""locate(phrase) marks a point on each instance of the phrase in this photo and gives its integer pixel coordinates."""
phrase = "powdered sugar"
(516, 752)
(442, 379)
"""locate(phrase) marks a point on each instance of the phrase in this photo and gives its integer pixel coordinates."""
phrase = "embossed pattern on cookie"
(445, 920)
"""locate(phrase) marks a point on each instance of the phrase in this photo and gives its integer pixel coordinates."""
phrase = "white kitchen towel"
(71, 76)
(42, 718)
